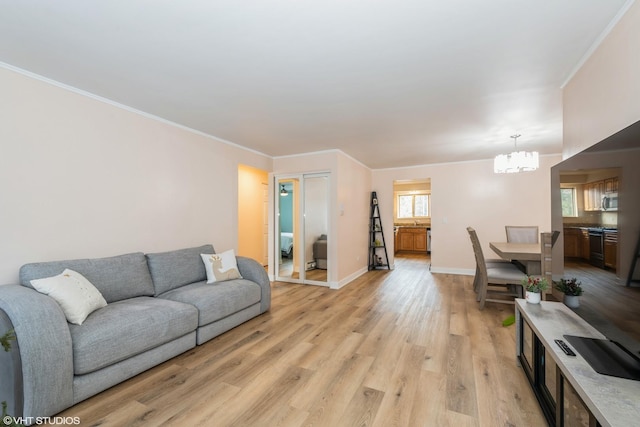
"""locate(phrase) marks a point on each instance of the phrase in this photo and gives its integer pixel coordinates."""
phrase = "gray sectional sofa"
(159, 306)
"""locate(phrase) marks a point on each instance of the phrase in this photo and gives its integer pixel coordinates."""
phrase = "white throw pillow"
(221, 267)
(77, 297)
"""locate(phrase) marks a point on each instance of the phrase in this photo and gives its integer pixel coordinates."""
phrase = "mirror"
(611, 299)
(302, 229)
(288, 228)
(316, 227)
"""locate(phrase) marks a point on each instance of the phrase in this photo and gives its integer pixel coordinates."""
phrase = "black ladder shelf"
(634, 265)
(376, 238)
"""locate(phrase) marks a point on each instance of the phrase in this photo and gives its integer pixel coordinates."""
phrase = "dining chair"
(490, 263)
(522, 233)
(499, 282)
(546, 244)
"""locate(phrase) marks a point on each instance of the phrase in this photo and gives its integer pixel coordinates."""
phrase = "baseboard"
(461, 271)
(348, 279)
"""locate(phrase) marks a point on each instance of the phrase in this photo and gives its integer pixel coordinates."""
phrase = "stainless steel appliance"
(596, 247)
(610, 202)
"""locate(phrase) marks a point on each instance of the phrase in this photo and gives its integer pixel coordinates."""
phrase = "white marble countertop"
(613, 401)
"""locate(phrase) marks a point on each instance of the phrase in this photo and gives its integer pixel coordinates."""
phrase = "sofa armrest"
(42, 372)
(251, 269)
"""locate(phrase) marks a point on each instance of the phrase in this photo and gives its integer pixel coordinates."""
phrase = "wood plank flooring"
(393, 348)
(607, 303)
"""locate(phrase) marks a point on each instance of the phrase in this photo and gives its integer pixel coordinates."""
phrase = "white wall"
(83, 178)
(604, 95)
(353, 210)
(470, 194)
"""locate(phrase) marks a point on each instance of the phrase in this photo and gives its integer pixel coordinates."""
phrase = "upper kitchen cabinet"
(611, 185)
(594, 191)
(592, 195)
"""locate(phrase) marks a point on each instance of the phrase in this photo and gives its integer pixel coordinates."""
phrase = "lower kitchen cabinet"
(410, 239)
(610, 249)
(572, 243)
(586, 248)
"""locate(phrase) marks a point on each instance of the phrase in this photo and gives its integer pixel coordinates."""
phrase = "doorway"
(302, 229)
(412, 218)
(253, 213)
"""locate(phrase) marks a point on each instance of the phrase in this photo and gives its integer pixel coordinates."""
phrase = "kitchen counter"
(591, 227)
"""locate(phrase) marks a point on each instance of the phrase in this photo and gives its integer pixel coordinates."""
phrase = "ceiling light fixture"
(517, 161)
(283, 192)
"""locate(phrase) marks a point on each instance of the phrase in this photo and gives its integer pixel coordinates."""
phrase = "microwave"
(610, 202)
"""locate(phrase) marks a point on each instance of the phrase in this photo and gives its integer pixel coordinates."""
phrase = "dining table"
(528, 254)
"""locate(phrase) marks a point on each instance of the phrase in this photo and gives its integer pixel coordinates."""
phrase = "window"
(413, 206)
(569, 205)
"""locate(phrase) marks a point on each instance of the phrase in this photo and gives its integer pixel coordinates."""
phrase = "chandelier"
(517, 161)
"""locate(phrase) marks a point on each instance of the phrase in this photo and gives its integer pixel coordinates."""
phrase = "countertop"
(592, 227)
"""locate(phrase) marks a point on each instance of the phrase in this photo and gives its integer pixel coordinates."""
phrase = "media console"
(569, 390)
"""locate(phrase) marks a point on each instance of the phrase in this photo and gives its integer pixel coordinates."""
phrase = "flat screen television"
(612, 308)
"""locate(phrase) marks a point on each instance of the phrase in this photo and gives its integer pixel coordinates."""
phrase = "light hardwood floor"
(393, 348)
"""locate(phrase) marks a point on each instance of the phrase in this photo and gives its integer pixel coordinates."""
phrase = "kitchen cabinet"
(572, 243)
(593, 192)
(611, 185)
(576, 243)
(412, 239)
(611, 249)
(585, 249)
(396, 241)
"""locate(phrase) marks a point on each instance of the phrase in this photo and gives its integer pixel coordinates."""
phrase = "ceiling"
(390, 83)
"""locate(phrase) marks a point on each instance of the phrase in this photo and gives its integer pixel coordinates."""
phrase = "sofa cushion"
(76, 296)
(221, 267)
(127, 328)
(170, 270)
(218, 300)
(117, 278)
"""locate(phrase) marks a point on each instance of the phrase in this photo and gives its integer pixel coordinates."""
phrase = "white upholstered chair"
(495, 282)
(522, 233)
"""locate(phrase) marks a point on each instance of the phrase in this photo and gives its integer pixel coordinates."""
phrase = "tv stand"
(569, 390)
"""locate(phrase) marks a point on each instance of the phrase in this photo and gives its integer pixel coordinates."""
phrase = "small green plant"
(569, 286)
(5, 341)
(535, 284)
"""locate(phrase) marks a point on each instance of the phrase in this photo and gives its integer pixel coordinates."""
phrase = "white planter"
(532, 297)
(572, 301)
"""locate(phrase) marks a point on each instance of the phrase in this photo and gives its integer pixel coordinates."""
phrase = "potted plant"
(572, 289)
(533, 286)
